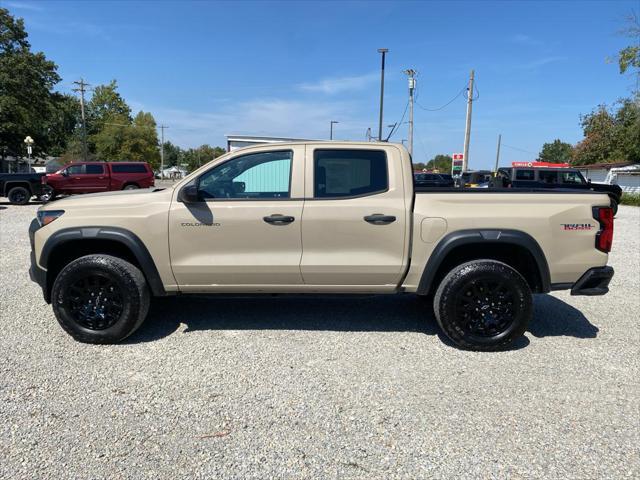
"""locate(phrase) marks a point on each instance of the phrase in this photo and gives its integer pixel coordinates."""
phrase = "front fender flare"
(123, 236)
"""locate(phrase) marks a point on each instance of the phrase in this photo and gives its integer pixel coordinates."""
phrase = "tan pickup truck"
(320, 217)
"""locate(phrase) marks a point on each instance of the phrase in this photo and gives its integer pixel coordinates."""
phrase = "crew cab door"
(245, 228)
(354, 224)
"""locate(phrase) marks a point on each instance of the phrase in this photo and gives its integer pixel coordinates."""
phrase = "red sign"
(540, 165)
(458, 156)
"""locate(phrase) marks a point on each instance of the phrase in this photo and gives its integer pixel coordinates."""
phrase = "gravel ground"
(319, 387)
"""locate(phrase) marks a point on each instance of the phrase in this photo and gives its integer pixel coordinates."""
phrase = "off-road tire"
(132, 296)
(614, 206)
(19, 196)
(451, 305)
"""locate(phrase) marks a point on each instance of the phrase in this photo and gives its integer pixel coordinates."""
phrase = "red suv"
(89, 177)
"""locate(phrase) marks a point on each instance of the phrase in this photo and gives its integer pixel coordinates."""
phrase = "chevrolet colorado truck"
(320, 217)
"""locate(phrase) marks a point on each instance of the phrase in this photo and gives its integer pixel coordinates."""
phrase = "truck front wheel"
(483, 305)
(100, 299)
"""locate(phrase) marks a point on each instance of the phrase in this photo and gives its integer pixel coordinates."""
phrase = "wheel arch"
(513, 247)
(68, 244)
(17, 183)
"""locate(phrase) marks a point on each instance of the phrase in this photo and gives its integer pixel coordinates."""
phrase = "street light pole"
(383, 51)
(331, 129)
(29, 142)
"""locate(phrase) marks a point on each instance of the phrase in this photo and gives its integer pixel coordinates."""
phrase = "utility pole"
(383, 51)
(412, 85)
(495, 170)
(82, 88)
(331, 129)
(162, 127)
(467, 131)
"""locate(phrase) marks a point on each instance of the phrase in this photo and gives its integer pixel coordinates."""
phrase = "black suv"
(523, 177)
(432, 180)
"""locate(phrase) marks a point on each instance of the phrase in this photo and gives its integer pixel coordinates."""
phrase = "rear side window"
(349, 173)
(524, 174)
(94, 169)
(549, 177)
(129, 168)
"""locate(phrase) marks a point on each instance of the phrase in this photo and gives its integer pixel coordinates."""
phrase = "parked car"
(546, 177)
(432, 180)
(477, 178)
(91, 177)
(319, 218)
(18, 188)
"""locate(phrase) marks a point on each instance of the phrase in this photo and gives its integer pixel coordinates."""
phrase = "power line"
(395, 128)
(519, 149)
(443, 106)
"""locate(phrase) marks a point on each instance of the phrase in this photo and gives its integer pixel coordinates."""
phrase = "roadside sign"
(540, 165)
(458, 160)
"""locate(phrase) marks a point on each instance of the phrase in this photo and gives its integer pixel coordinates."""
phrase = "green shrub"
(631, 199)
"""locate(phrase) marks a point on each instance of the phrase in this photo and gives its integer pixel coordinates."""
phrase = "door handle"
(380, 219)
(100, 178)
(277, 219)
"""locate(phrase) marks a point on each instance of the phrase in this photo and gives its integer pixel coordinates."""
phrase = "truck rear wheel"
(100, 299)
(47, 195)
(483, 305)
(19, 196)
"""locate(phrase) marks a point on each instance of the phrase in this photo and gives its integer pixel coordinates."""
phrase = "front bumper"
(595, 281)
(37, 274)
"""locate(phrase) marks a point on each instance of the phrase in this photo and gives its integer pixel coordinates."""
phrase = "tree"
(440, 162)
(629, 57)
(196, 157)
(610, 136)
(556, 152)
(172, 154)
(141, 141)
(106, 106)
(26, 82)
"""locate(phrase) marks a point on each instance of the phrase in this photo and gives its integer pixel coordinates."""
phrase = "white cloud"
(541, 62)
(523, 39)
(272, 117)
(24, 6)
(332, 86)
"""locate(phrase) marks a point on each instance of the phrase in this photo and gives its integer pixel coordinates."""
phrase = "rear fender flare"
(480, 237)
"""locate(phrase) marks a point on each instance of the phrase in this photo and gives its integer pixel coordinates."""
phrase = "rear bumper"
(595, 281)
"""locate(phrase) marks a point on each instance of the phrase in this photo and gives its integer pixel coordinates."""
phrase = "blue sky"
(288, 68)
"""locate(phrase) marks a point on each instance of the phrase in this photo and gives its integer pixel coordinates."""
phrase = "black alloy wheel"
(483, 305)
(95, 301)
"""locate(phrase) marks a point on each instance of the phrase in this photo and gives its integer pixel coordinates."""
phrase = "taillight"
(604, 237)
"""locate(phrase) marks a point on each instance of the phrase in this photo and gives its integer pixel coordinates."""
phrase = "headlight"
(45, 217)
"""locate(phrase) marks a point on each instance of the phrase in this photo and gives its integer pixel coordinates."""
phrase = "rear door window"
(349, 173)
(95, 169)
(524, 174)
(548, 177)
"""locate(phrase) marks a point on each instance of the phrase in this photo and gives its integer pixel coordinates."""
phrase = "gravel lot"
(319, 387)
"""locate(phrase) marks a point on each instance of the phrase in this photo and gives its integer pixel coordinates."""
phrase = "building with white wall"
(235, 142)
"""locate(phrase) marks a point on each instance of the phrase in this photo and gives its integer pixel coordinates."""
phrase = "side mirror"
(65, 173)
(189, 194)
(589, 181)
